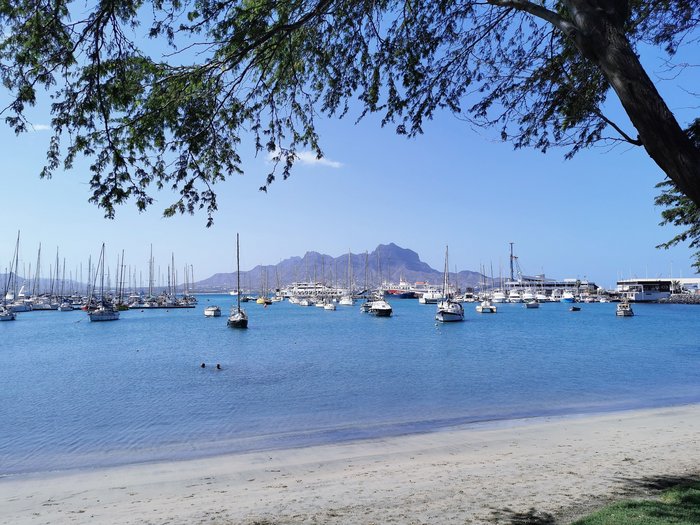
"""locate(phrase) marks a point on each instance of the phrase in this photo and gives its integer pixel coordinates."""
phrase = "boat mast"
(511, 262)
(16, 267)
(445, 278)
(238, 273)
(35, 288)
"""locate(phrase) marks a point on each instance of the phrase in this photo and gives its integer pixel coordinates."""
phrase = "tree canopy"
(161, 94)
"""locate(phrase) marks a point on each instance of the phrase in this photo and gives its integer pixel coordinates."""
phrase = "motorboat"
(567, 297)
(498, 297)
(346, 300)
(380, 308)
(212, 311)
(532, 304)
(6, 314)
(514, 297)
(624, 309)
(528, 295)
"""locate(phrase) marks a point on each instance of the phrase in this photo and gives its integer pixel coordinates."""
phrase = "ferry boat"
(430, 297)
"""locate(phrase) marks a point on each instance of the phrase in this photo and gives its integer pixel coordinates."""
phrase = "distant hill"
(387, 263)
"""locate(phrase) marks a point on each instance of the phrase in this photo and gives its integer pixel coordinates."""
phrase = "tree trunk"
(600, 38)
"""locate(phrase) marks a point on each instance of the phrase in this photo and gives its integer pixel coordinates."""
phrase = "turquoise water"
(76, 394)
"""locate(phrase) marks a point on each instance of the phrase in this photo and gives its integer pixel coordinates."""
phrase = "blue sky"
(591, 217)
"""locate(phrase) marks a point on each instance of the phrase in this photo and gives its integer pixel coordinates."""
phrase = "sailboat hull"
(96, 316)
(238, 323)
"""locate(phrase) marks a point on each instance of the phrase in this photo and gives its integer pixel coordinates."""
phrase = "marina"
(302, 376)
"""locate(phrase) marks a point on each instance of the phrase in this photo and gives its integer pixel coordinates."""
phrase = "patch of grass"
(678, 505)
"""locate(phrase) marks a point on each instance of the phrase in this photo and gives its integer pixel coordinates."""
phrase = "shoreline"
(559, 465)
(341, 435)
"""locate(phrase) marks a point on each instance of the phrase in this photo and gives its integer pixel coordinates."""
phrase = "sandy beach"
(549, 469)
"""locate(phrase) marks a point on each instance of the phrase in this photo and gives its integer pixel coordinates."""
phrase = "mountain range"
(386, 263)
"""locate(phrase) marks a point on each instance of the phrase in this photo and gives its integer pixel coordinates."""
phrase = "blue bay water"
(75, 394)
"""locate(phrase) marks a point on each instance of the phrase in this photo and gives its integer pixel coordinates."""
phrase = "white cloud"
(309, 158)
(40, 127)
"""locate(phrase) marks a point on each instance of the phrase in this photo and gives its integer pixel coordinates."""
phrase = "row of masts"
(61, 281)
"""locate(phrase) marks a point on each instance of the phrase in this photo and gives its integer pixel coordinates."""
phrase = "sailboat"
(238, 318)
(485, 306)
(346, 299)
(447, 309)
(105, 310)
(65, 306)
(6, 312)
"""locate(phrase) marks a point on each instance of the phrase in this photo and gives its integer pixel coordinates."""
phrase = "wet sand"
(559, 467)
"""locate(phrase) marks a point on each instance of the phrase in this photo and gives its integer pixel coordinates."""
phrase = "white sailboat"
(238, 318)
(448, 310)
(6, 312)
(105, 310)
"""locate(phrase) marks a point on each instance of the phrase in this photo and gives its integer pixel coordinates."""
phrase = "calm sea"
(75, 394)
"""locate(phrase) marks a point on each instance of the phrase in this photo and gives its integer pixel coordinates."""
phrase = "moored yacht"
(448, 310)
(104, 312)
(380, 308)
(212, 311)
(514, 297)
(498, 297)
(238, 318)
(567, 297)
(346, 300)
(104, 309)
(6, 314)
(624, 309)
(486, 307)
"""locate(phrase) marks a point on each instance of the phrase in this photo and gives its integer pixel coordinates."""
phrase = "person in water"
(202, 365)
(218, 366)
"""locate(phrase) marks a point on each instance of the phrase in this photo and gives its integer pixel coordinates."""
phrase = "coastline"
(561, 466)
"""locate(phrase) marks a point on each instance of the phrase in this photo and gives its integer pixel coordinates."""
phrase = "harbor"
(306, 376)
